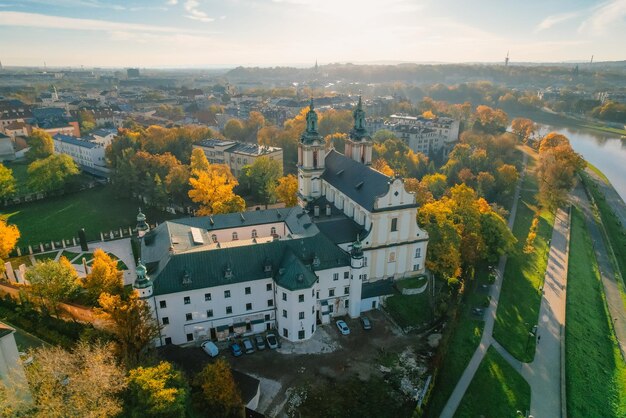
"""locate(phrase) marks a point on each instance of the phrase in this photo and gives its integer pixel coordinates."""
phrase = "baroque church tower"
(311, 158)
(359, 143)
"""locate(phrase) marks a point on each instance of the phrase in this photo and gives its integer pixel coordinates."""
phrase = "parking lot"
(327, 355)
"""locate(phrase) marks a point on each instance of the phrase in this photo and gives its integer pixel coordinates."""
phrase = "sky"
(225, 33)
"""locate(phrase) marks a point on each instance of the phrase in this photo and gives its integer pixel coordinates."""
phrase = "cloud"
(171, 2)
(550, 21)
(604, 16)
(95, 4)
(191, 6)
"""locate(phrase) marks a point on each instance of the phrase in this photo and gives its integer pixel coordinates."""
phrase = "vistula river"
(606, 151)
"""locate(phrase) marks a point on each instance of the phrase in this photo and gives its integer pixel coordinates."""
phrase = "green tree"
(218, 395)
(177, 184)
(234, 130)
(86, 120)
(157, 392)
(437, 184)
(7, 182)
(260, 179)
(51, 173)
(41, 145)
(53, 282)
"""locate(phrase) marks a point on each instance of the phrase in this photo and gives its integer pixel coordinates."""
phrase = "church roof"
(360, 183)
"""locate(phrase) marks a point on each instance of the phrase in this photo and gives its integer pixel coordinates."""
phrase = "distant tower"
(591, 62)
(506, 59)
(311, 160)
(142, 226)
(1, 66)
(359, 143)
(316, 68)
(142, 283)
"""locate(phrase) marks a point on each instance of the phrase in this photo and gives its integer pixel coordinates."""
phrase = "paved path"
(490, 316)
(610, 280)
(544, 373)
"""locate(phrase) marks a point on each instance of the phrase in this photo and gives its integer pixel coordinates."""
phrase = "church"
(337, 253)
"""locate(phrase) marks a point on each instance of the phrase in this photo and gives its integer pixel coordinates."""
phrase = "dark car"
(366, 323)
(235, 349)
(260, 342)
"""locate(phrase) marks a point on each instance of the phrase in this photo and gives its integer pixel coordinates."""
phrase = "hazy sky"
(194, 33)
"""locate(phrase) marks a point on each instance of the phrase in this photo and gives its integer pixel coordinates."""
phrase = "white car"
(343, 327)
(210, 348)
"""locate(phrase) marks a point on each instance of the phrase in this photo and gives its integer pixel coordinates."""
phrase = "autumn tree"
(287, 190)
(218, 395)
(53, 282)
(260, 179)
(422, 194)
(490, 120)
(51, 173)
(199, 161)
(524, 128)
(9, 234)
(437, 184)
(213, 189)
(86, 382)
(41, 145)
(336, 141)
(7, 182)
(86, 120)
(104, 277)
(177, 184)
(157, 392)
(130, 321)
(381, 165)
(234, 130)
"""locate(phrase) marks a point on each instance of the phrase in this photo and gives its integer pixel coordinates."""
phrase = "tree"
(437, 184)
(337, 141)
(524, 128)
(234, 130)
(490, 120)
(506, 178)
(9, 234)
(443, 256)
(177, 184)
(86, 120)
(7, 182)
(104, 276)
(556, 171)
(287, 190)
(130, 320)
(260, 179)
(381, 165)
(51, 173)
(157, 392)
(84, 383)
(41, 145)
(213, 189)
(199, 161)
(53, 282)
(218, 396)
(485, 184)
(419, 188)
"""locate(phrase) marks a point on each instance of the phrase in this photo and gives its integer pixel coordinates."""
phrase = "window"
(301, 335)
(273, 230)
(229, 310)
(209, 313)
(284, 313)
(317, 294)
(346, 275)
(418, 252)
(284, 296)
(235, 238)
(254, 234)
(187, 300)
(189, 337)
(270, 302)
(188, 316)
(346, 303)
(300, 298)
(168, 340)
(267, 317)
(162, 304)
(226, 293)
(214, 238)
(364, 261)
(331, 293)
(392, 257)
(346, 290)
(268, 287)
(331, 308)
(363, 276)
(207, 297)
(285, 333)
(416, 267)
(248, 306)
(394, 224)
(301, 315)
(165, 320)
(248, 290)
(335, 276)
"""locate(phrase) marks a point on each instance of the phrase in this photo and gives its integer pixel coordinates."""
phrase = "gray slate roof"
(359, 182)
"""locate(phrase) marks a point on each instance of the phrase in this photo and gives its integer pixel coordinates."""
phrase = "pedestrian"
(538, 338)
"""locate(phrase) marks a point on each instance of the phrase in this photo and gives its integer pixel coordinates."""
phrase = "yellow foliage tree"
(287, 190)
(429, 115)
(381, 165)
(213, 189)
(104, 276)
(9, 234)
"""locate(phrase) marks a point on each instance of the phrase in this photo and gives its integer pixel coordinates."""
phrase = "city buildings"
(237, 155)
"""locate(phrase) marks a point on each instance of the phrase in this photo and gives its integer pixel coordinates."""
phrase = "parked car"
(272, 342)
(366, 323)
(343, 327)
(210, 348)
(235, 349)
(260, 342)
(247, 346)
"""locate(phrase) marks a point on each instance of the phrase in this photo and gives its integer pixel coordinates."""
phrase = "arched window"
(273, 230)
(214, 238)
(235, 236)
(254, 234)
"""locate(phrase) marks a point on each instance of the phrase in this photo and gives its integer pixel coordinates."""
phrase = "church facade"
(289, 270)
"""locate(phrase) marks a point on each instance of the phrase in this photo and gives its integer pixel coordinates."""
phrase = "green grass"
(20, 173)
(46, 256)
(17, 261)
(595, 371)
(598, 172)
(412, 282)
(497, 390)
(410, 310)
(69, 255)
(97, 210)
(520, 298)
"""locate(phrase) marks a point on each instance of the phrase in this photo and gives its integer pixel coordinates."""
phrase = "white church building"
(291, 269)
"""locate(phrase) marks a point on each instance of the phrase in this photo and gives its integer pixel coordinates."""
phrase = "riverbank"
(547, 118)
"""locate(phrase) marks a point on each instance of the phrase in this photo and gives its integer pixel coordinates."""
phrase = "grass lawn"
(598, 172)
(520, 298)
(412, 282)
(497, 390)
(410, 310)
(17, 261)
(69, 255)
(595, 371)
(97, 210)
(46, 256)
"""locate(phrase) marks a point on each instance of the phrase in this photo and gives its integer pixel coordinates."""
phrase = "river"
(604, 150)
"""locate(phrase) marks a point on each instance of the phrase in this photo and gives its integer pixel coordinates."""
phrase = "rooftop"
(75, 141)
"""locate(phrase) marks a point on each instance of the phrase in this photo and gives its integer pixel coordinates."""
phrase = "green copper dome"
(310, 134)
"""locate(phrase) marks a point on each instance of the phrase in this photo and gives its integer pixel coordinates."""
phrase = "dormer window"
(235, 237)
(254, 233)
(316, 261)
(228, 273)
(214, 238)
(273, 230)
(186, 278)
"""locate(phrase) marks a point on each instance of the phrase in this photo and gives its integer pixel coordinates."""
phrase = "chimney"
(316, 211)
(328, 210)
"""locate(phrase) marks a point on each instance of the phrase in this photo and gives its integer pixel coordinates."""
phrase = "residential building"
(236, 155)
(87, 154)
(10, 364)
(7, 152)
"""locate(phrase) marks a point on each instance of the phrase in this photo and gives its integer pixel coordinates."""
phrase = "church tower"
(142, 284)
(311, 158)
(359, 143)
